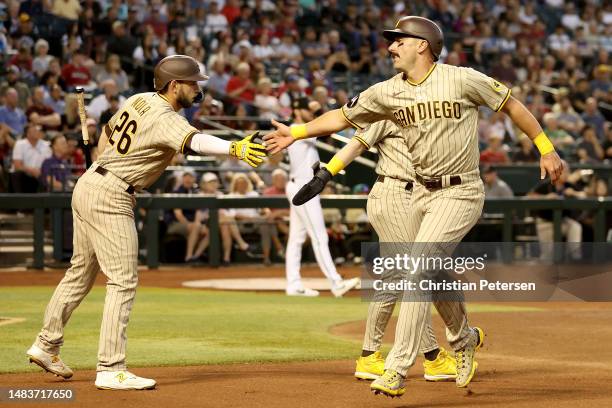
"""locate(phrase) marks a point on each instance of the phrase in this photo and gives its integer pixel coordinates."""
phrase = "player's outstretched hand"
(250, 149)
(279, 139)
(552, 165)
(313, 187)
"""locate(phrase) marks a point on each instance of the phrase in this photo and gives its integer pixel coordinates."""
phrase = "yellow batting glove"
(248, 150)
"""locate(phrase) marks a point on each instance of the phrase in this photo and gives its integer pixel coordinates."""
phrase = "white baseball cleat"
(341, 287)
(49, 362)
(122, 380)
(302, 292)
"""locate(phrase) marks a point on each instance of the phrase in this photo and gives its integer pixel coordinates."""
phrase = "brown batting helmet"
(176, 67)
(418, 27)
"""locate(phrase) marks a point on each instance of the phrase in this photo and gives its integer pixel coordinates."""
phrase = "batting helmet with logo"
(418, 27)
(176, 67)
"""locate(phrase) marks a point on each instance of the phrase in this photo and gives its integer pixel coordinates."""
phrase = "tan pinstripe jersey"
(393, 155)
(145, 134)
(438, 115)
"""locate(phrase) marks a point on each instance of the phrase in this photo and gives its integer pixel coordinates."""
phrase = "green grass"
(190, 327)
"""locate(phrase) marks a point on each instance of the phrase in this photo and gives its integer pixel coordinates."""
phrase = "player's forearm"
(345, 156)
(202, 143)
(329, 122)
(521, 116)
(525, 121)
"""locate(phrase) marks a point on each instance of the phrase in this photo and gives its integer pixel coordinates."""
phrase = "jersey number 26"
(127, 129)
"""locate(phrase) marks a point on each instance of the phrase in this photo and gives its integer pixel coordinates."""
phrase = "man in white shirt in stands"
(28, 155)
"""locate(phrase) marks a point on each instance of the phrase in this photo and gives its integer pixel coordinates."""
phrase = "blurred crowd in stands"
(262, 56)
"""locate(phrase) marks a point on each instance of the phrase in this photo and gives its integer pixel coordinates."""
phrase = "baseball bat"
(83, 118)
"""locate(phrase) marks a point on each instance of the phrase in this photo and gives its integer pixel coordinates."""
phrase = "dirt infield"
(556, 357)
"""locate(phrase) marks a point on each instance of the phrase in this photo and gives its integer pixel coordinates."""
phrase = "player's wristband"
(335, 165)
(298, 131)
(543, 144)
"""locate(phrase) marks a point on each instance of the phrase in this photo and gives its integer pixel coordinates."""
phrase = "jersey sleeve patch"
(504, 101)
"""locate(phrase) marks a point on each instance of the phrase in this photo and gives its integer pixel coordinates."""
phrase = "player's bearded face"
(187, 94)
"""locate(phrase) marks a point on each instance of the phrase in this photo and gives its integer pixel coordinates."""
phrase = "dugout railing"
(154, 205)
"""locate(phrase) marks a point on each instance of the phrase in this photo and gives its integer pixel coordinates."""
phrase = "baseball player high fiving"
(436, 107)
(392, 190)
(136, 146)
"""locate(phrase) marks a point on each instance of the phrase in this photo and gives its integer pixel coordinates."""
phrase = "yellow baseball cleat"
(391, 383)
(443, 368)
(370, 367)
(466, 366)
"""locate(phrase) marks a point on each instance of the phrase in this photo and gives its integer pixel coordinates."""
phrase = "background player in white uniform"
(136, 146)
(392, 190)
(307, 220)
(436, 106)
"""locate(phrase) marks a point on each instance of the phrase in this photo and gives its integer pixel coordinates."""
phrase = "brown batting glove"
(249, 150)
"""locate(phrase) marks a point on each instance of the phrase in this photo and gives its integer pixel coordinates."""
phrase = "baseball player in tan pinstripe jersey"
(135, 147)
(436, 107)
(392, 190)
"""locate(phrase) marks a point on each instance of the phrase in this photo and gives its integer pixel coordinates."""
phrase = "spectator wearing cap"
(292, 92)
(25, 32)
(240, 87)
(75, 73)
(10, 114)
(68, 9)
(103, 101)
(39, 113)
(54, 172)
(112, 70)
(13, 80)
(494, 187)
(42, 58)
(593, 117)
(216, 22)
(601, 83)
(494, 152)
(28, 156)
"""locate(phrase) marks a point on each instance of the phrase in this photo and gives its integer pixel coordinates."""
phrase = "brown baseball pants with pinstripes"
(105, 238)
(432, 221)
(388, 208)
